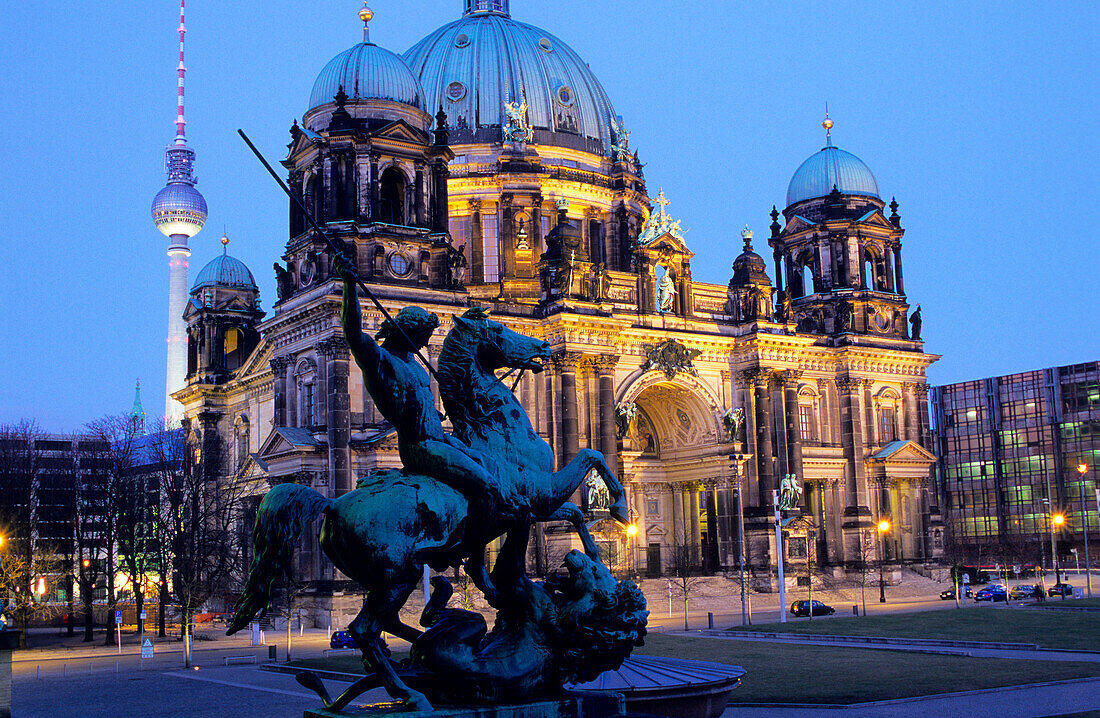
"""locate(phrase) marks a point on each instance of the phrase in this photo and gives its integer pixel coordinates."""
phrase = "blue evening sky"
(980, 117)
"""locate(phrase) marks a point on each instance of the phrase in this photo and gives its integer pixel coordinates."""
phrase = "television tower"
(179, 211)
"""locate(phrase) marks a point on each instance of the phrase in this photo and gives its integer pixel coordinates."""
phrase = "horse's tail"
(283, 514)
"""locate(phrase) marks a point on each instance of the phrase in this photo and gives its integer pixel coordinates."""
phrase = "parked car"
(949, 594)
(341, 639)
(1024, 591)
(802, 608)
(992, 592)
(1060, 589)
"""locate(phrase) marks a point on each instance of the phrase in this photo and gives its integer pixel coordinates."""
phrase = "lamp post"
(1056, 523)
(632, 534)
(883, 527)
(746, 609)
(1082, 469)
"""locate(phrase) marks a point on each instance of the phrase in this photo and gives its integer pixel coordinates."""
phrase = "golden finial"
(366, 15)
(225, 243)
(827, 123)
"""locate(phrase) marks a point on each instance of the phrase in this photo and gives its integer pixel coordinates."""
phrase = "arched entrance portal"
(676, 469)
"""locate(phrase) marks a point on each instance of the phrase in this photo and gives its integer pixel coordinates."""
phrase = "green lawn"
(1048, 629)
(784, 673)
(1070, 603)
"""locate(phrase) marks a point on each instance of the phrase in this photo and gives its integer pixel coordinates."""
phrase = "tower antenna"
(181, 124)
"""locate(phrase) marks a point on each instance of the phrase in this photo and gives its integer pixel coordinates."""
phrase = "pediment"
(875, 218)
(798, 223)
(285, 440)
(401, 131)
(903, 452)
(667, 244)
(258, 361)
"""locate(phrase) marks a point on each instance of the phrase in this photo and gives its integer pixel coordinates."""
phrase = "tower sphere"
(179, 209)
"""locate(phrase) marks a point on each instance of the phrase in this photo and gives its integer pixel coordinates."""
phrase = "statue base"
(590, 705)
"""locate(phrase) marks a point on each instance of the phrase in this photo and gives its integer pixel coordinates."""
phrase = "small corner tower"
(222, 318)
(838, 257)
(750, 289)
(179, 212)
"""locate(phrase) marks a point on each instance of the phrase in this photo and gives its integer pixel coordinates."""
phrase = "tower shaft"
(179, 255)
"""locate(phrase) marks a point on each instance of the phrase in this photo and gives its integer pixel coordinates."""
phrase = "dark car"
(949, 594)
(993, 592)
(341, 639)
(802, 608)
(1060, 589)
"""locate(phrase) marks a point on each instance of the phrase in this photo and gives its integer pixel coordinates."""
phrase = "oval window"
(565, 96)
(400, 265)
(546, 45)
(456, 91)
(462, 40)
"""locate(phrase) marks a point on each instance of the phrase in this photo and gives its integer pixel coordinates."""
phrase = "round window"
(546, 45)
(400, 264)
(462, 40)
(456, 91)
(565, 96)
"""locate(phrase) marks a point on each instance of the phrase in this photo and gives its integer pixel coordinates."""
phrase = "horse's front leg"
(572, 513)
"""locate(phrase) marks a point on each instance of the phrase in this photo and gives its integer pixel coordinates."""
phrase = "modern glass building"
(1016, 453)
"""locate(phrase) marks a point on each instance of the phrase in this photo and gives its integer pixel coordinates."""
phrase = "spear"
(336, 250)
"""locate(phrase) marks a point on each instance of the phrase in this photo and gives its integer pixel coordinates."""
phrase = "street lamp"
(883, 527)
(1056, 523)
(1083, 469)
(746, 608)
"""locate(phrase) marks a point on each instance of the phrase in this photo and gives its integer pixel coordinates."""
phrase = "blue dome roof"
(179, 208)
(472, 66)
(367, 72)
(224, 271)
(831, 167)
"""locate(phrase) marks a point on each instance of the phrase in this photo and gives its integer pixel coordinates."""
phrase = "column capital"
(280, 364)
(921, 390)
(789, 378)
(605, 364)
(823, 385)
(334, 348)
(475, 205)
(567, 361)
(758, 376)
(848, 383)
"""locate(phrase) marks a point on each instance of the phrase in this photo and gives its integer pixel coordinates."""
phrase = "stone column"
(336, 356)
(279, 366)
(778, 256)
(857, 512)
(679, 532)
(212, 454)
(790, 410)
(912, 412)
(693, 521)
(535, 230)
(550, 417)
(825, 432)
(763, 449)
(567, 364)
(921, 392)
(712, 560)
(375, 186)
(421, 197)
(477, 244)
(900, 283)
(506, 261)
(889, 271)
(609, 432)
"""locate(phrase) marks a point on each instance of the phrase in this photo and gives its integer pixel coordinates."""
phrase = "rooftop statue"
(455, 494)
(517, 129)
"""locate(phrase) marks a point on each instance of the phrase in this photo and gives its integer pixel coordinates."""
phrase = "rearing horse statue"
(393, 523)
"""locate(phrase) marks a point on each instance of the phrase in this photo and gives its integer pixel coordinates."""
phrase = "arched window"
(313, 197)
(305, 376)
(392, 210)
(233, 349)
(868, 271)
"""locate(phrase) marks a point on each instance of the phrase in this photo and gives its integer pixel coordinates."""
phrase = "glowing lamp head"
(1082, 468)
(1059, 519)
(632, 530)
(87, 563)
(883, 526)
(40, 587)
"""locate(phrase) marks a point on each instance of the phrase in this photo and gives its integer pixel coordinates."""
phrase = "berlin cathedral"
(486, 167)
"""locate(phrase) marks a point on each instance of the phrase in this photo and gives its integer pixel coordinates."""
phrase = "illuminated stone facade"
(565, 244)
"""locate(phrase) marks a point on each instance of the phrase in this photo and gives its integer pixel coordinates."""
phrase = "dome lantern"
(480, 7)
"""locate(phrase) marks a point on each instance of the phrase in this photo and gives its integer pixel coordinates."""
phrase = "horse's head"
(497, 347)
(600, 620)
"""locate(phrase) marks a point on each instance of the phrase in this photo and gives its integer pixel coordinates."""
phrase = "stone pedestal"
(589, 705)
(8, 641)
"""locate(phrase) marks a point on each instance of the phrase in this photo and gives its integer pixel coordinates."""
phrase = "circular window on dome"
(456, 91)
(400, 264)
(546, 45)
(462, 40)
(565, 95)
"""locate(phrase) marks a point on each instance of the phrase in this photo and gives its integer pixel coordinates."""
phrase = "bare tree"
(864, 553)
(197, 522)
(91, 485)
(685, 572)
